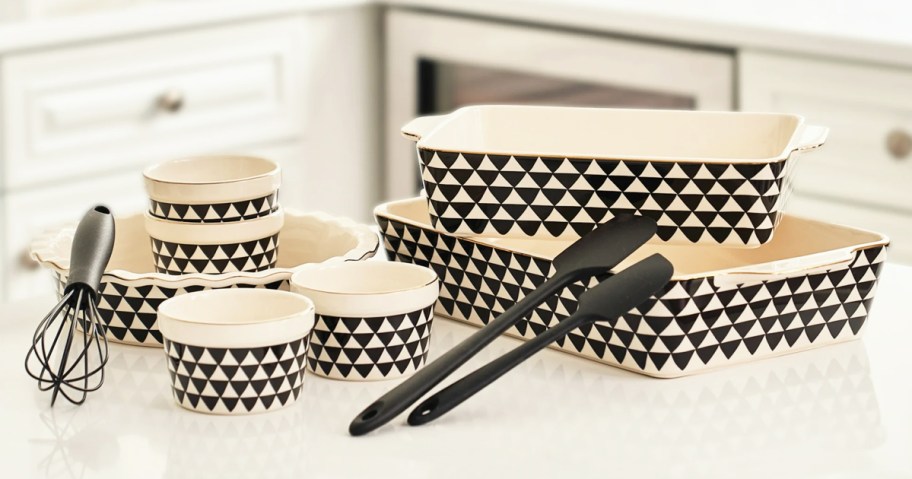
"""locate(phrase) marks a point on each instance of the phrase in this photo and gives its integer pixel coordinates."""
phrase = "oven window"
(445, 86)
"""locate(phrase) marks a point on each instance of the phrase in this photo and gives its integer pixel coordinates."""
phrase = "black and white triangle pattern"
(249, 256)
(721, 203)
(129, 309)
(381, 347)
(691, 325)
(216, 213)
(236, 380)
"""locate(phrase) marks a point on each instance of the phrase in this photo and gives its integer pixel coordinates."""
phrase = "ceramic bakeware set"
(510, 187)
(215, 296)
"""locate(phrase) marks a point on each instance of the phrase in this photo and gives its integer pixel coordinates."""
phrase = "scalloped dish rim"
(43, 250)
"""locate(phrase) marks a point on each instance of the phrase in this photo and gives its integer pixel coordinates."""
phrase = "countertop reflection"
(841, 411)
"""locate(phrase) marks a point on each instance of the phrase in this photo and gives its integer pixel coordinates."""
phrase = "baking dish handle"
(812, 136)
(421, 126)
(774, 270)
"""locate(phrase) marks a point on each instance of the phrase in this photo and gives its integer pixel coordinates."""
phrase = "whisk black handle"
(92, 246)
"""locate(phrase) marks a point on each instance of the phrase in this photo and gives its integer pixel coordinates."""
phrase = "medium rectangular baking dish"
(811, 286)
(531, 171)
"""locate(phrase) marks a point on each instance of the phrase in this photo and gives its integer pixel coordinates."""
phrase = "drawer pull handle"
(171, 101)
(899, 143)
(26, 263)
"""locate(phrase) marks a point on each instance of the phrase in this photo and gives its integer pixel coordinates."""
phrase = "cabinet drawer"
(895, 225)
(868, 155)
(27, 214)
(81, 110)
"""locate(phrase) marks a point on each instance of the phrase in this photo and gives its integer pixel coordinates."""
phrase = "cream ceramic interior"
(613, 133)
(236, 317)
(367, 288)
(211, 169)
(366, 278)
(212, 179)
(798, 244)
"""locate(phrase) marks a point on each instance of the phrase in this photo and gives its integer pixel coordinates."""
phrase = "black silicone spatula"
(609, 299)
(593, 254)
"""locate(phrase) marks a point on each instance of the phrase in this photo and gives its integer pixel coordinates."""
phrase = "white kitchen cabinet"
(79, 123)
(37, 211)
(77, 111)
(862, 176)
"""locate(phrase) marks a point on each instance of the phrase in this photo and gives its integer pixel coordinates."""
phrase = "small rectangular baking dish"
(811, 286)
(555, 172)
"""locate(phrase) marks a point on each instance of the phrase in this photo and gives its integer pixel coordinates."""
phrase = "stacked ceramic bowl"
(214, 214)
(509, 187)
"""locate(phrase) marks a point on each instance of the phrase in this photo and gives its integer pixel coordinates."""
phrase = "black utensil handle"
(611, 298)
(405, 394)
(91, 250)
(454, 394)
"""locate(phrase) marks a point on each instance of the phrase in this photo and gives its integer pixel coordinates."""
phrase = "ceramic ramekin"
(236, 351)
(556, 172)
(214, 248)
(213, 189)
(373, 319)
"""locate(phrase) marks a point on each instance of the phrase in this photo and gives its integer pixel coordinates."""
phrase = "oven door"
(437, 63)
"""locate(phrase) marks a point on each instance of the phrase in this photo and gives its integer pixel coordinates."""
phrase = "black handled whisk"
(62, 359)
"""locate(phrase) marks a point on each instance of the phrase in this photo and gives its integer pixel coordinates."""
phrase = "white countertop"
(867, 31)
(841, 411)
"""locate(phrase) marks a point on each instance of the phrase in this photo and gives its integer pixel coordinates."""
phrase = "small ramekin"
(236, 351)
(373, 319)
(214, 248)
(213, 189)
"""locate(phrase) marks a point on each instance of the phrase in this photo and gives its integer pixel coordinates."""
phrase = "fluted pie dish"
(131, 290)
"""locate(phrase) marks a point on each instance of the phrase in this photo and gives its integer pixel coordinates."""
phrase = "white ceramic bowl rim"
(181, 308)
(368, 290)
(45, 251)
(175, 171)
(236, 318)
(369, 278)
(215, 233)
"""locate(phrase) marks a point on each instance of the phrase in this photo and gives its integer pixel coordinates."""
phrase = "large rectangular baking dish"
(811, 286)
(525, 171)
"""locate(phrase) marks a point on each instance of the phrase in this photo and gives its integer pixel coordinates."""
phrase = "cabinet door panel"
(78, 111)
(868, 110)
(28, 214)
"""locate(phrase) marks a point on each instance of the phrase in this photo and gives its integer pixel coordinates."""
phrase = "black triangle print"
(729, 348)
(639, 357)
(835, 327)
(659, 359)
(706, 353)
(682, 359)
(249, 403)
(792, 335)
(364, 370)
(753, 343)
(200, 210)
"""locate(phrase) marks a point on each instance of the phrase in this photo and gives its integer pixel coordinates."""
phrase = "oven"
(437, 63)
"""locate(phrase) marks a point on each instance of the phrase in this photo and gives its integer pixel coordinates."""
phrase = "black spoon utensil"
(593, 254)
(611, 298)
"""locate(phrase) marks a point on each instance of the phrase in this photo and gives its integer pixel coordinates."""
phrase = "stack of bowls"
(214, 214)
